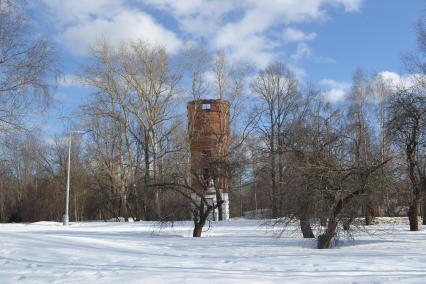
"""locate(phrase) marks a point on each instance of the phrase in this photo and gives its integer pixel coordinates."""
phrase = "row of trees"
(307, 160)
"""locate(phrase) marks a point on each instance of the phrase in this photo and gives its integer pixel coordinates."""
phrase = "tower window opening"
(206, 106)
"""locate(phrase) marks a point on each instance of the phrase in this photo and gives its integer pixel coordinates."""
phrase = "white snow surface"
(237, 251)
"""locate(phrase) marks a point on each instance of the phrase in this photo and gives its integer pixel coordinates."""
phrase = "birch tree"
(27, 62)
(277, 89)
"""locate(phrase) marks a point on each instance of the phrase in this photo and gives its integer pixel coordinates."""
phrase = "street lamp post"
(67, 196)
(65, 218)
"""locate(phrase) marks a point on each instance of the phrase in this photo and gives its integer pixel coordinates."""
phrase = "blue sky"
(322, 41)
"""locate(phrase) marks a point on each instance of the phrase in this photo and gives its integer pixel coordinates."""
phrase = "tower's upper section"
(208, 117)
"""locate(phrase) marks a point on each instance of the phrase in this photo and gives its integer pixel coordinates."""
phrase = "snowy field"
(229, 252)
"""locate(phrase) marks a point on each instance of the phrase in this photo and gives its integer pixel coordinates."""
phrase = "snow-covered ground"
(229, 252)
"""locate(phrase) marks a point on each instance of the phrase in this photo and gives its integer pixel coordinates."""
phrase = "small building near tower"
(209, 132)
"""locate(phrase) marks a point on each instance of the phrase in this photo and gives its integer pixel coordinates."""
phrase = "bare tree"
(26, 64)
(415, 63)
(335, 180)
(135, 85)
(108, 118)
(150, 73)
(199, 195)
(197, 64)
(406, 122)
(359, 101)
(278, 91)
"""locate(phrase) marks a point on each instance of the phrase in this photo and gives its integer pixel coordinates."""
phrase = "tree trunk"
(157, 204)
(123, 208)
(274, 193)
(305, 226)
(198, 229)
(347, 224)
(413, 213)
(368, 213)
(273, 170)
(219, 207)
(424, 211)
(157, 199)
(146, 214)
(324, 240)
(199, 223)
(413, 210)
(200, 215)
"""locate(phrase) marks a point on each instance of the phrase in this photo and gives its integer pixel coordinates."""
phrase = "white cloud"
(349, 5)
(75, 11)
(82, 23)
(395, 81)
(335, 84)
(299, 72)
(334, 95)
(336, 91)
(302, 51)
(246, 30)
(293, 34)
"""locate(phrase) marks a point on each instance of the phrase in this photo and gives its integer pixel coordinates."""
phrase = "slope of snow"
(230, 252)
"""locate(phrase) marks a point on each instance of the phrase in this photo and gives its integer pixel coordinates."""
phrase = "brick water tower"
(209, 130)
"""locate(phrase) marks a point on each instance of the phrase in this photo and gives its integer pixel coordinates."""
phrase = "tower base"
(225, 206)
(211, 199)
